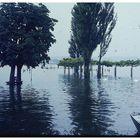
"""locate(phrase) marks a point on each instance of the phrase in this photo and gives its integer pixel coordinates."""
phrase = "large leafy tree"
(89, 29)
(25, 36)
(109, 24)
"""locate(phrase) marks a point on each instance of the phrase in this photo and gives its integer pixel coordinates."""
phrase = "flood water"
(51, 102)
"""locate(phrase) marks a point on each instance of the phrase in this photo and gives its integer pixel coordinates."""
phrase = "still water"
(53, 103)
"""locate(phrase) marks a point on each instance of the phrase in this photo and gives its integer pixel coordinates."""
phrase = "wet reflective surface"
(53, 103)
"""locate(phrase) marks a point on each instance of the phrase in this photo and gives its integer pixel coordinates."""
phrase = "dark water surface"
(54, 103)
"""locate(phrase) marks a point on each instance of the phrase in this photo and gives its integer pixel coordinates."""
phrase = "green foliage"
(94, 62)
(110, 21)
(25, 34)
(74, 49)
(107, 63)
(122, 63)
(91, 24)
(133, 63)
(71, 62)
(84, 26)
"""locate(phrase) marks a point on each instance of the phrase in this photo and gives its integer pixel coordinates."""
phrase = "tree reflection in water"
(89, 106)
(30, 116)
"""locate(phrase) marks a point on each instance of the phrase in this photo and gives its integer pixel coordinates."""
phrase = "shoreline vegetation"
(78, 63)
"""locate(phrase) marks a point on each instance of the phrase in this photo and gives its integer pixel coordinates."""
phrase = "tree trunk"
(12, 75)
(86, 66)
(131, 72)
(68, 70)
(19, 74)
(64, 70)
(87, 75)
(102, 70)
(31, 74)
(81, 70)
(76, 69)
(87, 59)
(99, 71)
(115, 71)
(99, 66)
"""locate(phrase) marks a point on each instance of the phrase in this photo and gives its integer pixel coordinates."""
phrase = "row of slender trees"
(78, 63)
(91, 25)
(73, 62)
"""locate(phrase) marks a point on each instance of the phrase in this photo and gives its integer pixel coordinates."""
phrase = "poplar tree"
(89, 20)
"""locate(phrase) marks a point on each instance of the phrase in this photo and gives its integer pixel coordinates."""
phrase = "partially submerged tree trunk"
(68, 70)
(31, 74)
(86, 65)
(12, 75)
(99, 66)
(102, 70)
(131, 72)
(76, 68)
(81, 70)
(115, 71)
(64, 70)
(19, 67)
(99, 71)
(87, 75)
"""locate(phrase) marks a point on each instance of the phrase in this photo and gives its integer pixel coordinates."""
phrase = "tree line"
(78, 63)
(73, 62)
(26, 34)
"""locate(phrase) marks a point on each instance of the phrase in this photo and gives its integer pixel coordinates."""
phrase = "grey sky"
(125, 36)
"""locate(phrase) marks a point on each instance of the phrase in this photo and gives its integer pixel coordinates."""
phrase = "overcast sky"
(125, 36)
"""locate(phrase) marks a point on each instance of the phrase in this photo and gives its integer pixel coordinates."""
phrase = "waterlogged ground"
(53, 103)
